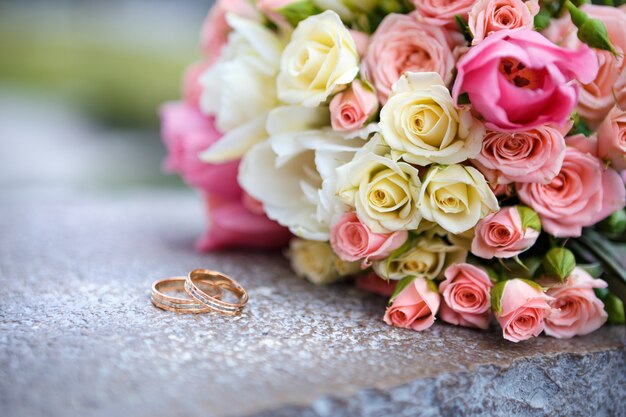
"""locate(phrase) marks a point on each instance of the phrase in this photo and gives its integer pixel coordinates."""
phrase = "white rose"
(320, 59)
(292, 173)
(428, 258)
(383, 191)
(422, 126)
(240, 89)
(317, 262)
(456, 197)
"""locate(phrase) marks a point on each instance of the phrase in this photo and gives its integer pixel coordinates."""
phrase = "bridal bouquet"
(458, 157)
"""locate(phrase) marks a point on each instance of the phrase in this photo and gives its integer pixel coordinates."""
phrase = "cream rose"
(456, 197)
(428, 258)
(422, 126)
(240, 89)
(320, 59)
(383, 191)
(317, 262)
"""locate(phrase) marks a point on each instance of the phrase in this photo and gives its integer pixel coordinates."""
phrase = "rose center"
(517, 74)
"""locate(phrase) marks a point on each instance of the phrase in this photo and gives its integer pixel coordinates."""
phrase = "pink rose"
(375, 284)
(231, 225)
(215, 29)
(442, 12)
(582, 194)
(350, 109)
(576, 311)
(192, 89)
(271, 8)
(597, 95)
(517, 79)
(415, 307)
(361, 39)
(187, 132)
(489, 16)
(502, 235)
(465, 294)
(612, 138)
(402, 44)
(524, 308)
(353, 240)
(535, 155)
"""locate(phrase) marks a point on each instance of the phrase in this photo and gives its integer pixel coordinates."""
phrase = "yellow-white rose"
(456, 197)
(422, 126)
(428, 258)
(383, 191)
(320, 59)
(317, 262)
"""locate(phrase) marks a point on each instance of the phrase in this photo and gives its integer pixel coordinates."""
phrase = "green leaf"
(614, 225)
(464, 28)
(614, 308)
(432, 286)
(594, 269)
(496, 296)
(559, 262)
(401, 285)
(542, 19)
(529, 218)
(601, 293)
(298, 11)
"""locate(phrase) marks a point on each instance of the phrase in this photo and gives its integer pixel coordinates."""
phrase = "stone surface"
(79, 337)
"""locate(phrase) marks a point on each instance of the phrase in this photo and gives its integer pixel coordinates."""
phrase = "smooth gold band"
(181, 305)
(221, 280)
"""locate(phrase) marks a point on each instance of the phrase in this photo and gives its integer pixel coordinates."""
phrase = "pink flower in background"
(350, 109)
(271, 9)
(582, 194)
(597, 95)
(612, 138)
(353, 240)
(415, 307)
(192, 89)
(524, 310)
(535, 155)
(502, 235)
(466, 291)
(517, 79)
(215, 28)
(375, 284)
(187, 132)
(441, 12)
(361, 39)
(489, 16)
(231, 225)
(402, 44)
(577, 310)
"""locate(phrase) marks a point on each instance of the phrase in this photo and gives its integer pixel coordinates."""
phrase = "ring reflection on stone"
(221, 280)
(181, 305)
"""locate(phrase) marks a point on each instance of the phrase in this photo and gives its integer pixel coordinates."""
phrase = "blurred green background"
(115, 60)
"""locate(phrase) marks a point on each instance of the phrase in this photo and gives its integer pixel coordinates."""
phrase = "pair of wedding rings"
(205, 289)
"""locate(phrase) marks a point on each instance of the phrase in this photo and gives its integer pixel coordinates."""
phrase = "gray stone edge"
(562, 384)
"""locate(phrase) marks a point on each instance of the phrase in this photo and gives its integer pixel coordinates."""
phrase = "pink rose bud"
(521, 308)
(415, 307)
(352, 240)
(517, 79)
(375, 284)
(401, 44)
(489, 16)
(350, 109)
(232, 226)
(597, 97)
(577, 310)
(535, 155)
(465, 294)
(441, 12)
(506, 234)
(583, 193)
(612, 138)
(186, 132)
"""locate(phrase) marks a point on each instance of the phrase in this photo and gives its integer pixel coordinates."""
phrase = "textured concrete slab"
(79, 337)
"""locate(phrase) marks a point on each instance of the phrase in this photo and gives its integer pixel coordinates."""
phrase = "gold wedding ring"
(182, 305)
(210, 300)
